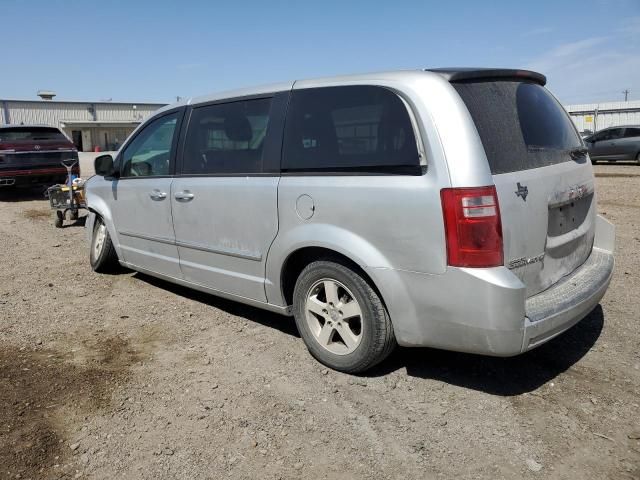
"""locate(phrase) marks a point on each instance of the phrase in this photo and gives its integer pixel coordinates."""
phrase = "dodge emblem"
(522, 191)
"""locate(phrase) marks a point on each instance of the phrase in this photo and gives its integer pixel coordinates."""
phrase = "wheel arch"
(98, 207)
(303, 256)
(309, 241)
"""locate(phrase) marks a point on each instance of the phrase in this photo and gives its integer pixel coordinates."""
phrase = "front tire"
(103, 255)
(341, 318)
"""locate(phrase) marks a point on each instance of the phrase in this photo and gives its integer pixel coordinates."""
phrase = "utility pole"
(626, 93)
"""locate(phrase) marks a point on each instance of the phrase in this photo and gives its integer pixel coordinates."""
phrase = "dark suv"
(30, 155)
(615, 143)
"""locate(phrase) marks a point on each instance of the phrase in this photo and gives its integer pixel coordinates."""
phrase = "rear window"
(352, 128)
(30, 134)
(521, 125)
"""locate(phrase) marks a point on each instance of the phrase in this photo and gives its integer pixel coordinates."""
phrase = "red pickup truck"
(30, 155)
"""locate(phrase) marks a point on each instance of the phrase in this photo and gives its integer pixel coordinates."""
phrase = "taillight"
(472, 227)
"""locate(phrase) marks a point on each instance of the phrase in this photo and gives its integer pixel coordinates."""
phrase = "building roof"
(82, 102)
(99, 123)
(27, 125)
(631, 105)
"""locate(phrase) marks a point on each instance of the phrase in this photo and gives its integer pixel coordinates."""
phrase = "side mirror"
(103, 166)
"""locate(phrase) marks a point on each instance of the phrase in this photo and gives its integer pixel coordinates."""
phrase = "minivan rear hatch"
(541, 173)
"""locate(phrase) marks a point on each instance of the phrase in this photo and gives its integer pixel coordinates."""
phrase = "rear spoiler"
(472, 74)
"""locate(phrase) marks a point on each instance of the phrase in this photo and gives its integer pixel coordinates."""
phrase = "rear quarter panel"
(383, 221)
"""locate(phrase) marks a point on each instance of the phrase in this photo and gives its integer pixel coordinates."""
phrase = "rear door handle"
(185, 196)
(157, 195)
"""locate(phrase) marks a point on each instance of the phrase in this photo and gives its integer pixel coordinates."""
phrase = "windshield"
(521, 125)
(30, 134)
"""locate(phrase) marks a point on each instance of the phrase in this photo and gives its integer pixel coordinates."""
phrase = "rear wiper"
(577, 153)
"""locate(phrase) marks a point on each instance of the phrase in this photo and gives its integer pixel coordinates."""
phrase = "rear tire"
(341, 318)
(58, 218)
(102, 256)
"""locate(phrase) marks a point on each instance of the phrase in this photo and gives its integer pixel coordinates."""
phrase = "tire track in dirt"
(39, 388)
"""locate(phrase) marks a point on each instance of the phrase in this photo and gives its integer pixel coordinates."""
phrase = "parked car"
(31, 155)
(585, 134)
(615, 143)
(448, 208)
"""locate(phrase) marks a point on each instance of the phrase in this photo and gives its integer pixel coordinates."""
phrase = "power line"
(626, 93)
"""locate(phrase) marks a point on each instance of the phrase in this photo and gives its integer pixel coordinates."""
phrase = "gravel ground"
(125, 376)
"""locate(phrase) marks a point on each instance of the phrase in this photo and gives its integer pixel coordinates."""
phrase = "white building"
(91, 125)
(592, 117)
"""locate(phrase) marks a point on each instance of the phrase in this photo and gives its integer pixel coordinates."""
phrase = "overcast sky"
(157, 50)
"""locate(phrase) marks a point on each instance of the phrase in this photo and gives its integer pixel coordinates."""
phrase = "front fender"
(331, 237)
(98, 206)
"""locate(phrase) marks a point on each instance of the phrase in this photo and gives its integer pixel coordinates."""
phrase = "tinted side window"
(616, 133)
(226, 138)
(149, 153)
(631, 132)
(609, 134)
(357, 128)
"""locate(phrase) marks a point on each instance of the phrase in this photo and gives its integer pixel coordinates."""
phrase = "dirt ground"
(125, 376)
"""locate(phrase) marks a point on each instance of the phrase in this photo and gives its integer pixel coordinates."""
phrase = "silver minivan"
(450, 208)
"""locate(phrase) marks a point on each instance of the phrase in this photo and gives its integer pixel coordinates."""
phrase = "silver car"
(450, 208)
(615, 143)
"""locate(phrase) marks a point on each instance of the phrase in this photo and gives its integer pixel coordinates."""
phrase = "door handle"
(185, 196)
(157, 195)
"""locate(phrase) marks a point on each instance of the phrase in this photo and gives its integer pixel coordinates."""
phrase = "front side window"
(353, 128)
(149, 154)
(226, 138)
(599, 136)
(610, 134)
(616, 133)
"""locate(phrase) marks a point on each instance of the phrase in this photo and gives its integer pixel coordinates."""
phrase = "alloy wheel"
(334, 316)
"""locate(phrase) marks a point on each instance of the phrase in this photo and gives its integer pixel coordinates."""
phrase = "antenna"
(626, 93)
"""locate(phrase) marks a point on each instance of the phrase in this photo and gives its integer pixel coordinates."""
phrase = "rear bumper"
(485, 310)
(45, 175)
(558, 308)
